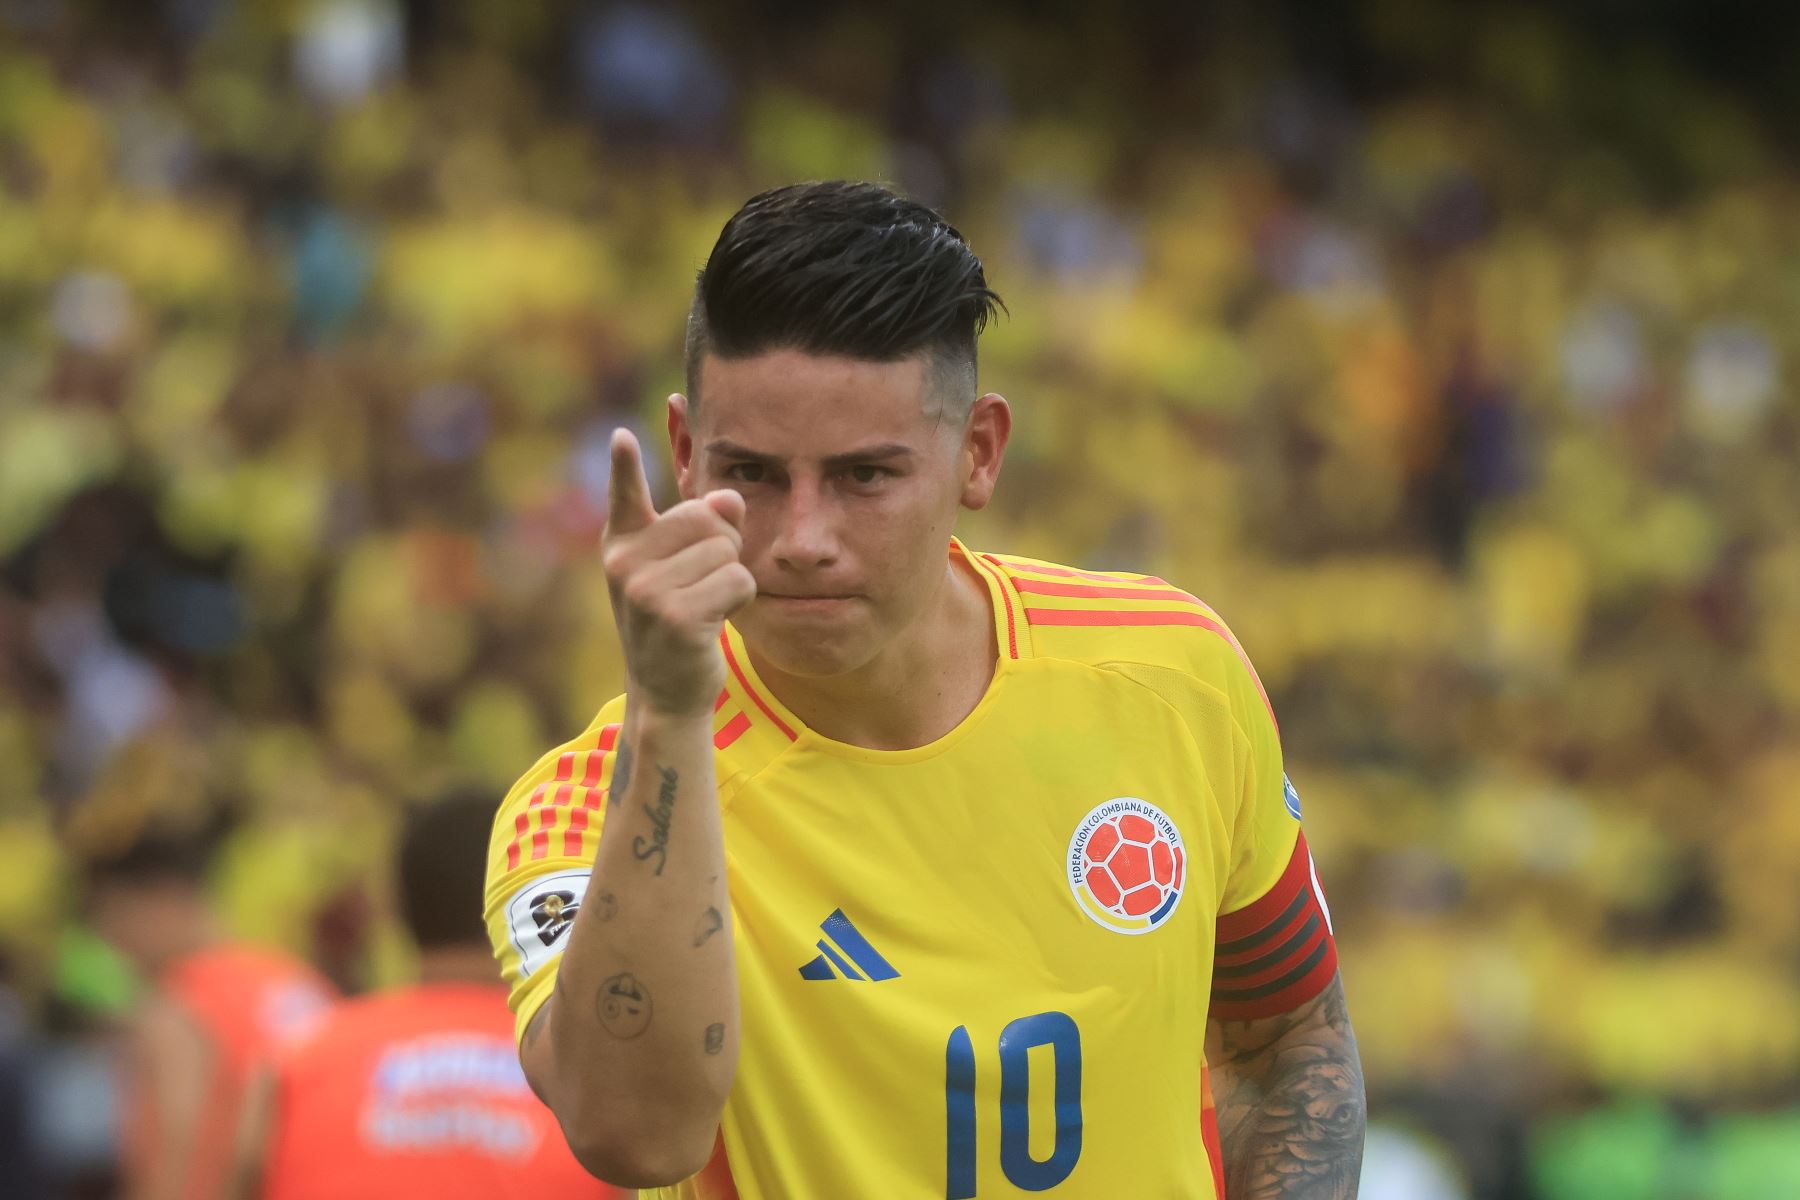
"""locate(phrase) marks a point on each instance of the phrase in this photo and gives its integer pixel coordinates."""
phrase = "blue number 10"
(1059, 1032)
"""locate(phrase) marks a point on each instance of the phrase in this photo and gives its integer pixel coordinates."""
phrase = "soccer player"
(214, 1015)
(417, 1091)
(901, 869)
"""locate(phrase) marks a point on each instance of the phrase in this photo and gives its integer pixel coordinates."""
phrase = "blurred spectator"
(418, 1090)
(213, 1012)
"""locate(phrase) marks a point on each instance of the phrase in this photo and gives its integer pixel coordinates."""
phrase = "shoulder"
(567, 776)
(568, 762)
(1134, 623)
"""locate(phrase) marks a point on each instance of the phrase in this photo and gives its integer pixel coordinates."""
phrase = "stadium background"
(1445, 349)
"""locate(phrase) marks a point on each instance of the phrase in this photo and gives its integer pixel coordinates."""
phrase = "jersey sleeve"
(1274, 946)
(540, 858)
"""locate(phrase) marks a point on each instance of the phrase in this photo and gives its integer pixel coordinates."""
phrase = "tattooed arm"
(1289, 1092)
(636, 1049)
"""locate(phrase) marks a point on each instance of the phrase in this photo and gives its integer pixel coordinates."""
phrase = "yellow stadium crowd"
(1486, 450)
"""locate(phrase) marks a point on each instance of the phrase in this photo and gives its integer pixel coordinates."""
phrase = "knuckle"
(639, 593)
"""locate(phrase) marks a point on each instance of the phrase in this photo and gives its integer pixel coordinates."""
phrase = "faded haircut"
(847, 269)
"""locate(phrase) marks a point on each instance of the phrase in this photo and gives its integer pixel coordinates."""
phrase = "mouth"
(808, 602)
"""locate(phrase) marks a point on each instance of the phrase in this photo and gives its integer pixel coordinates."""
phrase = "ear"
(681, 445)
(984, 446)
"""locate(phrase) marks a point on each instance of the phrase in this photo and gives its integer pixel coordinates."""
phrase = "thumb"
(628, 506)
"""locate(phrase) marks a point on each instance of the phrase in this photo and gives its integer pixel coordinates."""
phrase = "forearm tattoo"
(655, 848)
(624, 1006)
(621, 776)
(715, 1038)
(1289, 1092)
(710, 923)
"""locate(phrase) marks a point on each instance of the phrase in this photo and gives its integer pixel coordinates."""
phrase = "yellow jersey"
(981, 967)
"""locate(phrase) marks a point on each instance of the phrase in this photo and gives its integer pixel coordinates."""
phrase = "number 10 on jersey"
(1053, 1029)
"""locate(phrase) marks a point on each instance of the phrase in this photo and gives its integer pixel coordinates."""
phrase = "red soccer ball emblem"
(1130, 868)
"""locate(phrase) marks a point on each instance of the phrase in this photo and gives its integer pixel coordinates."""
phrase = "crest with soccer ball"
(1126, 865)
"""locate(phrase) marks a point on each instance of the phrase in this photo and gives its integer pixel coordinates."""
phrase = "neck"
(458, 964)
(891, 703)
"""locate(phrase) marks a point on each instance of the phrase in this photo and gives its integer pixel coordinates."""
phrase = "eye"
(866, 474)
(746, 472)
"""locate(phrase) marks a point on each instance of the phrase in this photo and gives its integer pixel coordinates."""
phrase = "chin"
(805, 649)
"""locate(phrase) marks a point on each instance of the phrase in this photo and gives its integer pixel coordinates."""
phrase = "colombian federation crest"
(1127, 865)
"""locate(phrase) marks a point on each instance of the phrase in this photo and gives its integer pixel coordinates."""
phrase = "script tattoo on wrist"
(710, 923)
(715, 1038)
(656, 846)
(621, 776)
(624, 1006)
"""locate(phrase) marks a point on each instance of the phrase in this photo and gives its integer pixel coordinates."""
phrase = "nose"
(807, 540)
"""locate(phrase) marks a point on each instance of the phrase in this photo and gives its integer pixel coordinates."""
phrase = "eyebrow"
(886, 450)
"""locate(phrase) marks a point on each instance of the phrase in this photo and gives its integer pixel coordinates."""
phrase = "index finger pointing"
(628, 506)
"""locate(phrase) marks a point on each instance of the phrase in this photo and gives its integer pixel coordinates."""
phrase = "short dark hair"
(442, 867)
(162, 852)
(841, 268)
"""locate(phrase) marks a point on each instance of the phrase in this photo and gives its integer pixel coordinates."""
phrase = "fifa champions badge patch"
(1127, 865)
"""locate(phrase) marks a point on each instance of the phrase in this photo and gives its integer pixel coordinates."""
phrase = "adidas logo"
(844, 948)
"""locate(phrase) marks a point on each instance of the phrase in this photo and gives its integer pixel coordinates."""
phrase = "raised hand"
(674, 578)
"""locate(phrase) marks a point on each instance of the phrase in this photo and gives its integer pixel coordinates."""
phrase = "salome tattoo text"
(656, 846)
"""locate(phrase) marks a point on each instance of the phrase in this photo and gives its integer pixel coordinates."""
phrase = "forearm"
(641, 1039)
(1289, 1094)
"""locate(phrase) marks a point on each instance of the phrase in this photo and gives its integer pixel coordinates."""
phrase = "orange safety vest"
(417, 1092)
(248, 1002)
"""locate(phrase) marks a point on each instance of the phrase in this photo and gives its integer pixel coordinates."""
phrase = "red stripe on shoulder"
(1144, 617)
(572, 837)
(1013, 565)
(744, 682)
(1115, 617)
(521, 824)
(1012, 628)
(1100, 591)
(731, 731)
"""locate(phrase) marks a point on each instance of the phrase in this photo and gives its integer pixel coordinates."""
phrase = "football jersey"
(981, 967)
(416, 1092)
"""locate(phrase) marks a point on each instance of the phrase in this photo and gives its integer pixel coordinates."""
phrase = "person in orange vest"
(417, 1091)
(213, 1012)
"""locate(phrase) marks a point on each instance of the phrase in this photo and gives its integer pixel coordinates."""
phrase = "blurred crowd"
(1478, 426)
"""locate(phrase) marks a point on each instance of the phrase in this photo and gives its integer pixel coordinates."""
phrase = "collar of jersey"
(771, 726)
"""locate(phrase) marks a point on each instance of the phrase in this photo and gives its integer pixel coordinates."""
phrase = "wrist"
(645, 716)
